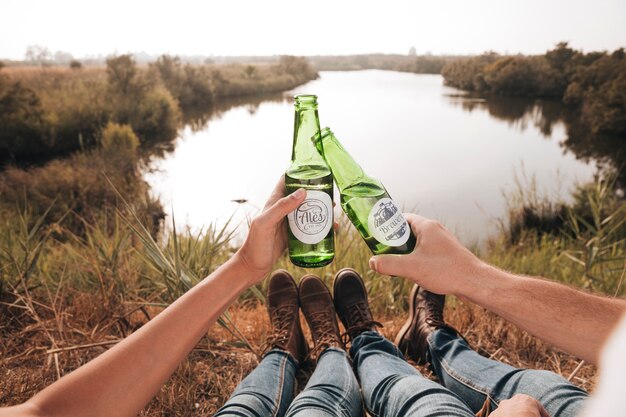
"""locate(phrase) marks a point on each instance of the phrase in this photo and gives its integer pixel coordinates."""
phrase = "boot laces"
(282, 319)
(434, 312)
(325, 334)
(434, 316)
(360, 319)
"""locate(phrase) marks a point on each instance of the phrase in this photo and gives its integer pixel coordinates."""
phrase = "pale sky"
(322, 27)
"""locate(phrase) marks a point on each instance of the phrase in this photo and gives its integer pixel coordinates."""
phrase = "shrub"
(154, 115)
(76, 64)
(122, 74)
(80, 184)
(21, 120)
(119, 139)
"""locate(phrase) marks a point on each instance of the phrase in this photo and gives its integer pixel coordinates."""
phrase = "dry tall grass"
(36, 352)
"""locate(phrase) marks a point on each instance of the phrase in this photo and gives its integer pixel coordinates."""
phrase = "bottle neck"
(346, 171)
(306, 125)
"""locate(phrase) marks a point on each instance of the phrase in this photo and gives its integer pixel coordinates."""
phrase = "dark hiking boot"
(351, 303)
(283, 307)
(317, 307)
(425, 316)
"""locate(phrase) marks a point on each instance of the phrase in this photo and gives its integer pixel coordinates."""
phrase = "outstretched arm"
(572, 320)
(122, 381)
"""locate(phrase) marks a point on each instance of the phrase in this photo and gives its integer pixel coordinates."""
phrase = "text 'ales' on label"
(312, 220)
(387, 223)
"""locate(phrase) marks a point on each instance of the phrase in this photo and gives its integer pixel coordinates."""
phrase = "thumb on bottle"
(285, 206)
(389, 264)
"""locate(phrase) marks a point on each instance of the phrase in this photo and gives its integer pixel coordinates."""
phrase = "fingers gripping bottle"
(310, 227)
(365, 201)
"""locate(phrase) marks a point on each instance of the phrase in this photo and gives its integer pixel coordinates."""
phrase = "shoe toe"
(349, 285)
(281, 282)
(312, 286)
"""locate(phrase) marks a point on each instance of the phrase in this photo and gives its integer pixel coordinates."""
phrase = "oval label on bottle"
(387, 223)
(312, 220)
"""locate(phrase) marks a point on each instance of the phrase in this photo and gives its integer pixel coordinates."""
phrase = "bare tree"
(38, 55)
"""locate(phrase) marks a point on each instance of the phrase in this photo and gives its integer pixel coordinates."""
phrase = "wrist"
(243, 269)
(485, 283)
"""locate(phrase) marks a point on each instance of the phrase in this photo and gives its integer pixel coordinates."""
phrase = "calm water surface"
(439, 153)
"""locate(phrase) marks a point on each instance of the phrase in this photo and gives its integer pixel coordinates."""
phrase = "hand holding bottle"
(439, 262)
(365, 200)
(267, 237)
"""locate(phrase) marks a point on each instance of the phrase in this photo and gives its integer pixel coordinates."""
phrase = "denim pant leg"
(266, 391)
(474, 377)
(332, 390)
(393, 388)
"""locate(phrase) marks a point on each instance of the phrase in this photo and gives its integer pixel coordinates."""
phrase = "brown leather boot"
(317, 307)
(351, 303)
(283, 307)
(425, 316)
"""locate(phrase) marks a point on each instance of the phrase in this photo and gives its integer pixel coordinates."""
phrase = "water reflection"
(607, 152)
(518, 112)
(198, 119)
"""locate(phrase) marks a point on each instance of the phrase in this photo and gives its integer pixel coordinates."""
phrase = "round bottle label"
(312, 220)
(387, 224)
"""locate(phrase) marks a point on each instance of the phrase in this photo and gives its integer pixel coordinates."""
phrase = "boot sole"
(410, 322)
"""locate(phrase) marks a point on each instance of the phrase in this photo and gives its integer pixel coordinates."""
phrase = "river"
(439, 152)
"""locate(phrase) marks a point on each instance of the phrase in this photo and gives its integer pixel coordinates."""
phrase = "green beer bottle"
(366, 202)
(310, 227)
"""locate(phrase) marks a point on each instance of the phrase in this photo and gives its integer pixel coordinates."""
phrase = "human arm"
(572, 320)
(121, 381)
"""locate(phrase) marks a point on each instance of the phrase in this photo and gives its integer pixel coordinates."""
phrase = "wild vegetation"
(49, 111)
(419, 64)
(594, 83)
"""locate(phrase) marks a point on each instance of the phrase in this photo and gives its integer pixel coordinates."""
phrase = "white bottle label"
(312, 220)
(387, 224)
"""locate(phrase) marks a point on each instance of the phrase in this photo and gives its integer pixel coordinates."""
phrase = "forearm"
(572, 320)
(124, 379)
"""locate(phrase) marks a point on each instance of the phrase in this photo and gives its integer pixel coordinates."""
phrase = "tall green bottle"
(310, 232)
(366, 202)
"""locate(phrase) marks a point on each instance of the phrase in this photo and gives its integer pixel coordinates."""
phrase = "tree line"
(594, 83)
(419, 64)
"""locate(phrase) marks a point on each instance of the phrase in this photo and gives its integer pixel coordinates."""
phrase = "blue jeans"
(268, 391)
(393, 388)
(476, 378)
